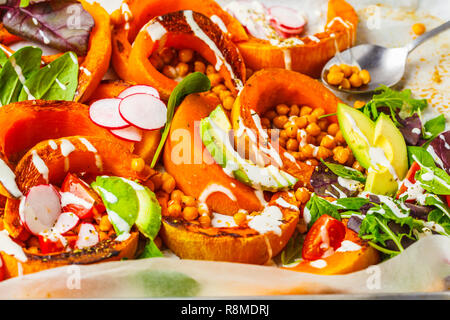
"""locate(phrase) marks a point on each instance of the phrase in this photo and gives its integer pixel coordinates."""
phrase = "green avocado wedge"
(214, 131)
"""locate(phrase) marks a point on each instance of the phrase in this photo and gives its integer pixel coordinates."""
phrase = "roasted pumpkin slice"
(58, 157)
(354, 255)
(24, 124)
(268, 88)
(184, 30)
(189, 162)
(308, 54)
(95, 64)
(134, 14)
(189, 240)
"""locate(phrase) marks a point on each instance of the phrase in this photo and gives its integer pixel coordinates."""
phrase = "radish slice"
(87, 236)
(41, 208)
(287, 18)
(105, 113)
(139, 89)
(129, 134)
(66, 222)
(144, 111)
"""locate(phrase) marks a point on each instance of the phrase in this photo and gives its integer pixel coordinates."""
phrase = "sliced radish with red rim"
(66, 222)
(40, 209)
(105, 113)
(87, 236)
(143, 111)
(287, 19)
(131, 133)
(139, 89)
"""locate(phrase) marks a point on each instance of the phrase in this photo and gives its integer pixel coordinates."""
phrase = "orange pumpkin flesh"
(142, 11)
(310, 57)
(239, 244)
(270, 87)
(193, 167)
(96, 63)
(24, 124)
(115, 160)
(343, 262)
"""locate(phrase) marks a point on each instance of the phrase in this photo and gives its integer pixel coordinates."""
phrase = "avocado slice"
(149, 216)
(358, 130)
(214, 131)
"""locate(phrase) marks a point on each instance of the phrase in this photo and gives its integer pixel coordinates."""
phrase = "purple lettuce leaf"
(410, 127)
(325, 183)
(60, 24)
(440, 150)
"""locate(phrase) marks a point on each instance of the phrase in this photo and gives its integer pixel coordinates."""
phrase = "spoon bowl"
(385, 65)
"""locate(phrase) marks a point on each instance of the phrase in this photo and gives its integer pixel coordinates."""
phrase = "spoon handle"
(419, 40)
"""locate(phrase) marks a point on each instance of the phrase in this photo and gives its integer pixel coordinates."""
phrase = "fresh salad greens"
(61, 24)
(292, 253)
(345, 172)
(434, 127)
(22, 78)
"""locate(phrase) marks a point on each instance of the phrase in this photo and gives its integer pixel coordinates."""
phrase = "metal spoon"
(386, 65)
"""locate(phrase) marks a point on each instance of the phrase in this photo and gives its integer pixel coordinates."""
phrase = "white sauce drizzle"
(213, 188)
(269, 220)
(222, 221)
(40, 165)
(318, 264)
(347, 246)
(219, 22)
(156, 31)
(8, 180)
(8, 246)
(52, 144)
(284, 204)
(68, 198)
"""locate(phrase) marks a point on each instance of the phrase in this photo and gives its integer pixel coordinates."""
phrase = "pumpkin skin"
(97, 59)
(310, 57)
(179, 35)
(142, 11)
(241, 245)
(115, 160)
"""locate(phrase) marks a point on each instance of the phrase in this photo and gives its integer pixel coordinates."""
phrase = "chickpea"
(170, 72)
(203, 210)
(324, 153)
(335, 78)
(282, 109)
(365, 76)
(271, 114)
(218, 89)
(199, 67)
(318, 112)
(328, 142)
(305, 110)
(169, 183)
(138, 164)
(228, 103)
(323, 124)
(313, 129)
(205, 221)
(335, 68)
(355, 69)
(346, 69)
(240, 218)
(174, 209)
(167, 55)
(215, 79)
(355, 80)
(292, 145)
(190, 213)
(182, 69)
(291, 131)
(312, 162)
(105, 225)
(157, 181)
(280, 121)
(345, 84)
(297, 155)
(282, 142)
(265, 123)
(339, 138)
(341, 154)
(333, 129)
(210, 69)
(284, 134)
(359, 104)
(307, 151)
(320, 137)
(302, 195)
(301, 122)
(418, 28)
(186, 55)
(176, 195)
(295, 110)
(188, 201)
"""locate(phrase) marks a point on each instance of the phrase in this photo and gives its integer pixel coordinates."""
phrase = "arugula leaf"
(434, 180)
(318, 206)
(151, 251)
(56, 81)
(351, 203)
(19, 67)
(440, 218)
(292, 253)
(395, 101)
(194, 83)
(345, 172)
(421, 156)
(434, 127)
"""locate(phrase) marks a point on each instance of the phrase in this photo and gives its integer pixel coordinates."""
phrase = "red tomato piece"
(447, 197)
(410, 176)
(49, 246)
(81, 199)
(325, 235)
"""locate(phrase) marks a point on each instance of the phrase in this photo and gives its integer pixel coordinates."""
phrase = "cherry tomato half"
(325, 234)
(410, 176)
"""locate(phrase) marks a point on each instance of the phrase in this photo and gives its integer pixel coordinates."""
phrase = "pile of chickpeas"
(347, 77)
(177, 64)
